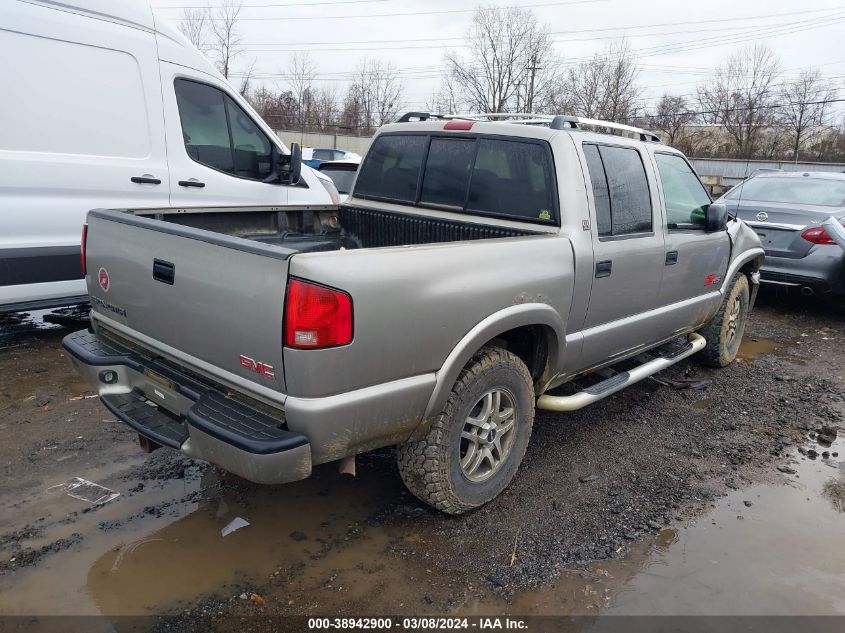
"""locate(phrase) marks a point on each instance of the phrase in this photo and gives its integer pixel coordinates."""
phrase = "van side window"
(623, 175)
(685, 196)
(219, 134)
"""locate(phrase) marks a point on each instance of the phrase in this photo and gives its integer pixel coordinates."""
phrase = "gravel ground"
(594, 484)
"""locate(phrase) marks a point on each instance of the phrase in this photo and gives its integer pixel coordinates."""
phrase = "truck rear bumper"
(180, 411)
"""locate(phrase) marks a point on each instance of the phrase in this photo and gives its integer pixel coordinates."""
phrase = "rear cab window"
(509, 177)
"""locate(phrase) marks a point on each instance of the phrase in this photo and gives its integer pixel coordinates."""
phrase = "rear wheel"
(474, 448)
(725, 330)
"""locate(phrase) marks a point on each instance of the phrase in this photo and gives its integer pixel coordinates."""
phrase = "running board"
(619, 381)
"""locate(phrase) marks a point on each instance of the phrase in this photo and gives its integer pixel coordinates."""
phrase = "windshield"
(822, 192)
(342, 178)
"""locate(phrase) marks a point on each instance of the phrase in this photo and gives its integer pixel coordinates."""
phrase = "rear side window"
(219, 134)
(685, 196)
(481, 176)
(623, 176)
(392, 168)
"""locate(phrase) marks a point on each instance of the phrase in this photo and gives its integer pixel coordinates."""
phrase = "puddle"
(313, 546)
(704, 403)
(753, 348)
(780, 555)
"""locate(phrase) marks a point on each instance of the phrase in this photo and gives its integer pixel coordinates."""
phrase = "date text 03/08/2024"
(415, 624)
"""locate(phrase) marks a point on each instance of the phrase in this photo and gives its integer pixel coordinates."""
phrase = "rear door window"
(623, 175)
(480, 176)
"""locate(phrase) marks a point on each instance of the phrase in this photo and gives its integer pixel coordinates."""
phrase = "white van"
(104, 105)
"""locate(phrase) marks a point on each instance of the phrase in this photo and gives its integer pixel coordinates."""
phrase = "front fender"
(745, 247)
(522, 315)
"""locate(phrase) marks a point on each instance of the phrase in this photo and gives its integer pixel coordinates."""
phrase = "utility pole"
(532, 71)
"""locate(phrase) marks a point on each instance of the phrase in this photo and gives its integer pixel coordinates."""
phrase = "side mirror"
(290, 165)
(716, 217)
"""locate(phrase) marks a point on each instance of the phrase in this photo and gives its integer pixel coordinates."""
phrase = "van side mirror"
(716, 217)
(290, 165)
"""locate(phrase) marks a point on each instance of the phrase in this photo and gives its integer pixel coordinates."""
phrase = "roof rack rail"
(563, 122)
(555, 122)
(416, 116)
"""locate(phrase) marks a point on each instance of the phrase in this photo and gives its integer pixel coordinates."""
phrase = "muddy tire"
(475, 446)
(725, 330)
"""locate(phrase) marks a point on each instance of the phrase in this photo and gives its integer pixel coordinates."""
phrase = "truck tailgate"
(204, 295)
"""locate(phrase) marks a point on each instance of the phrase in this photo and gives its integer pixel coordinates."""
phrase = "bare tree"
(672, 117)
(378, 90)
(225, 39)
(806, 105)
(741, 97)
(444, 100)
(325, 108)
(605, 87)
(246, 81)
(510, 58)
(194, 26)
(302, 71)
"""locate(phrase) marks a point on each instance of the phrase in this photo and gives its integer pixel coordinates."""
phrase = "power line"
(414, 13)
(269, 6)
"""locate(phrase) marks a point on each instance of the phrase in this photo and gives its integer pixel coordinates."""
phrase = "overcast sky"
(679, 42)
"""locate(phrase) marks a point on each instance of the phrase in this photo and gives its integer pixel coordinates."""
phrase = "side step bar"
(619, 381)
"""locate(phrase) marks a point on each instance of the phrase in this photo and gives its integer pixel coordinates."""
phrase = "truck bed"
(316, 229)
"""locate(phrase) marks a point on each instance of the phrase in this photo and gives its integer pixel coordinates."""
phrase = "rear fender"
(522, 315)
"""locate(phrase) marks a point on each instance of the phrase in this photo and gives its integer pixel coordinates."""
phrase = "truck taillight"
(316, 316)
(82, 263)
(817, 235)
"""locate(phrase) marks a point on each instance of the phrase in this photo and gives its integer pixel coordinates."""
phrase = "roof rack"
(555, 122)
(563, 122)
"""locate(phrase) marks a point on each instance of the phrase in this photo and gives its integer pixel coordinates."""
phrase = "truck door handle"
(603, 268)
(146, 179)
(191, 183)
(163, 271)
(671, 258)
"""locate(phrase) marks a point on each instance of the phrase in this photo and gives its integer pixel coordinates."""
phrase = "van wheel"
(725, 330)
(474, 447)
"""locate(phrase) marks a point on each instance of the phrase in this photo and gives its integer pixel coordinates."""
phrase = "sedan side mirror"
(716, 217)
(290, 165)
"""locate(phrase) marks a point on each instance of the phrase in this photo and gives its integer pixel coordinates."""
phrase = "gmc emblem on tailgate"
(260, 368)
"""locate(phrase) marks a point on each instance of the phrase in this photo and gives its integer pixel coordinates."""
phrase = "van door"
(628, 252)
(696, 261)
(82, 128)
(217, 154)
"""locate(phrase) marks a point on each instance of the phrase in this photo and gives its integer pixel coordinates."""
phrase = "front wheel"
(472, 451)
(724, 332)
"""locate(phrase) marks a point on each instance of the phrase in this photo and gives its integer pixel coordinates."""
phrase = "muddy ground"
(618, 482)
